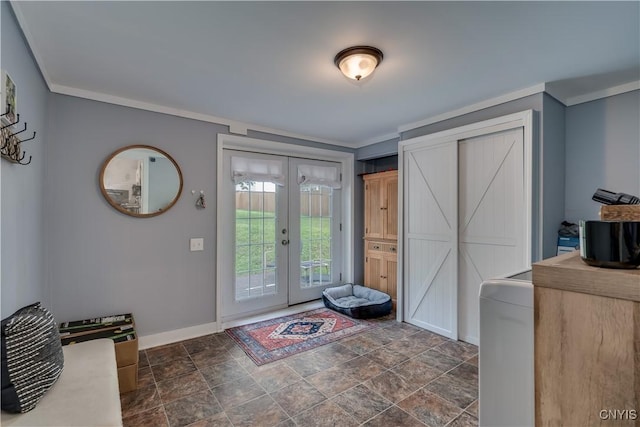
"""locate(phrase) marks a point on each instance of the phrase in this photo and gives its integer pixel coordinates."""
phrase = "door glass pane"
(316, 207)
(255, 242)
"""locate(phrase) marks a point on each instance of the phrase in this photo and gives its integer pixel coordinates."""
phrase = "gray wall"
(102, 261)
(603, 151)
(378, 150)
(23, 274)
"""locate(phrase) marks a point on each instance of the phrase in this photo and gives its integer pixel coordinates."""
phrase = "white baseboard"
(176, 335)
(470, 340)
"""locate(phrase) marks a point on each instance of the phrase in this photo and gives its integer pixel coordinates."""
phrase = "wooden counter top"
(569, 273)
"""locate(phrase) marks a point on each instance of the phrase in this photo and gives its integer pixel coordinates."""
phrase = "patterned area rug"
(282, 337)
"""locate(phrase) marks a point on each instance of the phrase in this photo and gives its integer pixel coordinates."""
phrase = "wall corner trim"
(22, 23)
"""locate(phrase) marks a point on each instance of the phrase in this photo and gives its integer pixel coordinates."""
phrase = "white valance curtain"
(245, 169)
(319, 175)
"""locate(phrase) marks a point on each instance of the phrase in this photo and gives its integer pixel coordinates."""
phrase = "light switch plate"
(196, 244)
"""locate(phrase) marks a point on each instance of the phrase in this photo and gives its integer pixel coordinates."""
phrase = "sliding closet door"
(492, 218)
(430, 237)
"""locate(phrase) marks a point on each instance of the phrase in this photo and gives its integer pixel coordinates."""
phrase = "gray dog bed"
(357, 301)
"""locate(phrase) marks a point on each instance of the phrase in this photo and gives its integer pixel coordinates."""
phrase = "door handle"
(285, 242)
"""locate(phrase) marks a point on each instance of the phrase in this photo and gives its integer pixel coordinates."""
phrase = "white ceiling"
(270, 64)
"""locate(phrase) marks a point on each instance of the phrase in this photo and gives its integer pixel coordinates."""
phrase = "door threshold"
(287, 311)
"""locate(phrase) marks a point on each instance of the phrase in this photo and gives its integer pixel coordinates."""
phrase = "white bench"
(86, 394)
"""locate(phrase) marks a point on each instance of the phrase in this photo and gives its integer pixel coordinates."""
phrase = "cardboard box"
(127, 352)
(86, 326)
(126, 342)
(128, 378)
(567, 244)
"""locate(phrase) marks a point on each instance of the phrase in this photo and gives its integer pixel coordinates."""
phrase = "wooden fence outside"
(311, 204)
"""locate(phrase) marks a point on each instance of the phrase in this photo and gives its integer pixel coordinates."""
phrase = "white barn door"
(431, 239)
(466, 200)
(492, 233)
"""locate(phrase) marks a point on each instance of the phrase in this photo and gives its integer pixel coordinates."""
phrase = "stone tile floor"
(393, 375)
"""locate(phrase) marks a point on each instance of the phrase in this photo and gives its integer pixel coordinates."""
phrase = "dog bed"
(357, 301)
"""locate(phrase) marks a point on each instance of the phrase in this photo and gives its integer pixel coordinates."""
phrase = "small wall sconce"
(357, 62)
(200, 202)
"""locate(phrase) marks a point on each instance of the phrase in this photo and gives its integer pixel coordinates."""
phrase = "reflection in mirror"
(141, 181)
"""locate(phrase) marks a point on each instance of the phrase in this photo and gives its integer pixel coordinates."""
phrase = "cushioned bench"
(357, 301)
(85, 394)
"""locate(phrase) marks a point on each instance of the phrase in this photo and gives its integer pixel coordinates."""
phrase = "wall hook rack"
(10, 143)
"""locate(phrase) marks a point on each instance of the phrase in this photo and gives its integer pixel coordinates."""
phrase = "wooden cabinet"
(381, 267)
(587, 344)
(381, 205)
(381, 232)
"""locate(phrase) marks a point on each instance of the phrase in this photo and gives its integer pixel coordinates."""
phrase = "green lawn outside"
(252, 227)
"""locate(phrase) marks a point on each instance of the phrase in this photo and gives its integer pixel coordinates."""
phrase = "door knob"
(285, 242)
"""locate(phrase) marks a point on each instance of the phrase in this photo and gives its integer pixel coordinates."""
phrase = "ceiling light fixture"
(357, 62)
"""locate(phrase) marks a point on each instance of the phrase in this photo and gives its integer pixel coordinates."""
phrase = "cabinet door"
(390, 188)
(373, 209)
(373, 271)
(391, 275)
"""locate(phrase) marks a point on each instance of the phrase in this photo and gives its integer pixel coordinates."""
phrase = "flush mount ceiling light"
(358, 62)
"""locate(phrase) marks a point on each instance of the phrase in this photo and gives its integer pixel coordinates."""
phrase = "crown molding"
(511, 96)
(235, 126)
(605, 93)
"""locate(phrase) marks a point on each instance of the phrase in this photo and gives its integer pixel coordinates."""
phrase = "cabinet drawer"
(382, 247)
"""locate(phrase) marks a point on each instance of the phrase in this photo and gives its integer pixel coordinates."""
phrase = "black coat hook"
(11, 124)
(29, 139)
(24, 164)
(14, 134)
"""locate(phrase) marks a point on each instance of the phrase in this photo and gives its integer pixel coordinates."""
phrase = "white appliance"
(506, 352)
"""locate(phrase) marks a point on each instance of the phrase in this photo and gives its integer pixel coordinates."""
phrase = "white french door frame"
(524, 120)
(346, 160)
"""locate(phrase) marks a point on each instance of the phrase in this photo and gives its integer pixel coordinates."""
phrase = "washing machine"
(506, 377)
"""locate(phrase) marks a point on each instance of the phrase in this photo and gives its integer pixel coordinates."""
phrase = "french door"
(281, 231)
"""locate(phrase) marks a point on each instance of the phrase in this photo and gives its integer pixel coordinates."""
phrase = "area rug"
(282, 337)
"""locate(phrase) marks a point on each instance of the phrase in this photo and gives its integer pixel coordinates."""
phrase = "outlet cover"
(196, 244)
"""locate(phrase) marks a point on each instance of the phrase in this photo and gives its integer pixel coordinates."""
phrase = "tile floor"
(393, 375)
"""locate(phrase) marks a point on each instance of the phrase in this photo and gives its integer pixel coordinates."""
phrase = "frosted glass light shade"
(359, 61)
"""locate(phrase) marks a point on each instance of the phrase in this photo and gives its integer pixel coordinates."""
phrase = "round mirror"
(141, 181)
